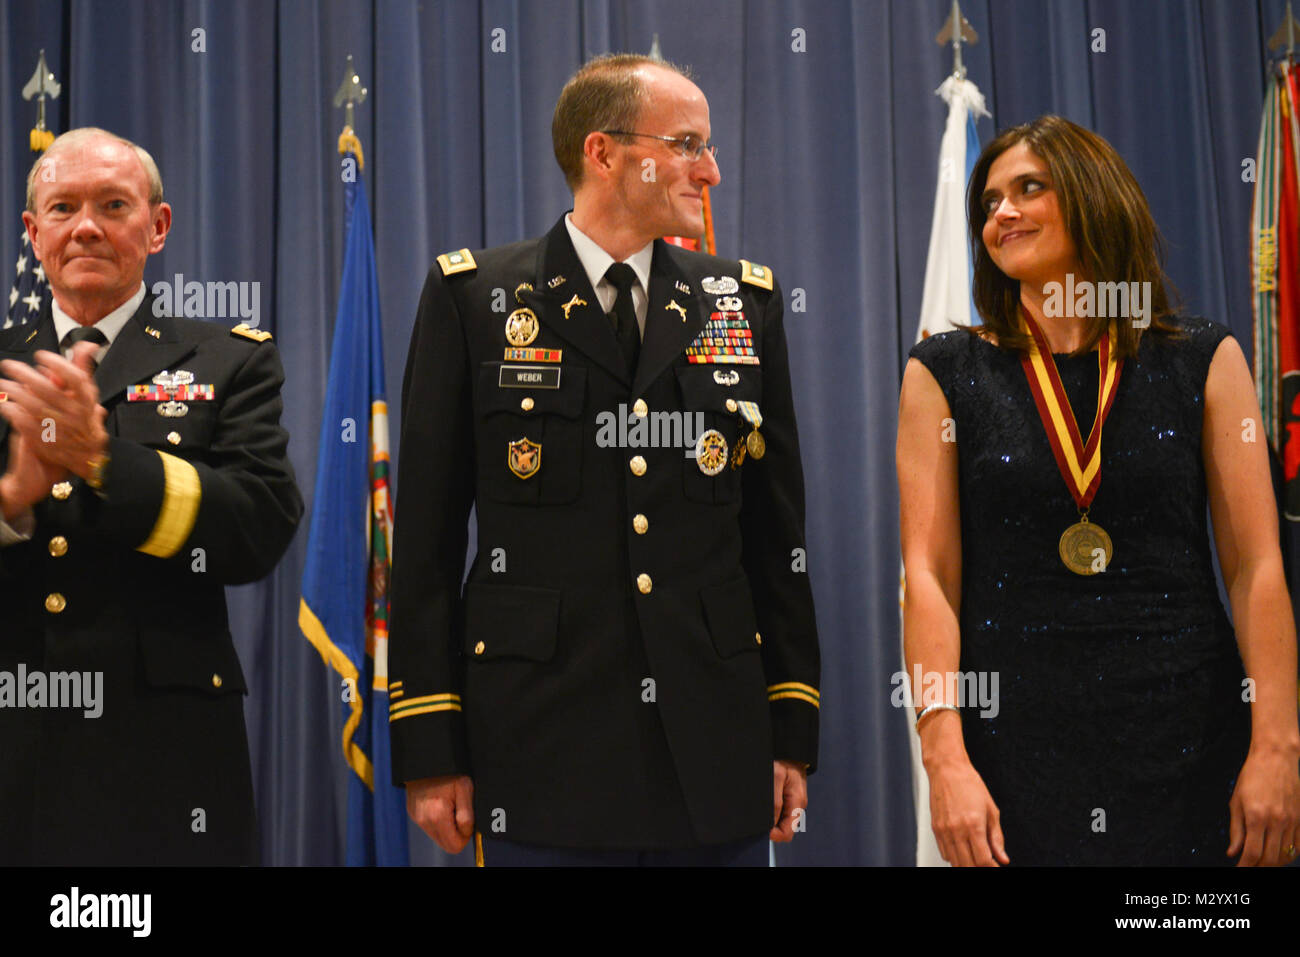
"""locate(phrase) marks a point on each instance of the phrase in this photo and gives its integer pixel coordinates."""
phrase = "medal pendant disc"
(757, 444)
(1077, 546)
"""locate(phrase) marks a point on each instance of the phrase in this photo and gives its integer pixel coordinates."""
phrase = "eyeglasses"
(691, 146)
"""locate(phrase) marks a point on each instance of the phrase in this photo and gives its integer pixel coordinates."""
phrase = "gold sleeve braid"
(182, 493)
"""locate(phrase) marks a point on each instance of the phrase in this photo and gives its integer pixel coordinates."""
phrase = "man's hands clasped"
(56, 421)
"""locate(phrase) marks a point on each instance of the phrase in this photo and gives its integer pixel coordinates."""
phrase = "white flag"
(945, 303)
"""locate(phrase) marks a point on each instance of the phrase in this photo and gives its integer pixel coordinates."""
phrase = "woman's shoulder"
(1194, 339)
(1187, 351)
(946, 352)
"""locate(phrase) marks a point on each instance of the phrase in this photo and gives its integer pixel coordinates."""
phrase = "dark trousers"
(490, 852)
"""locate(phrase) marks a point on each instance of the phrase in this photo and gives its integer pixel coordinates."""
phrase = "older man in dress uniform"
(629, 674)
(142, 469)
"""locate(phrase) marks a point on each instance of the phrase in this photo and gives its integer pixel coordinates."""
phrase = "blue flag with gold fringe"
(344, 608)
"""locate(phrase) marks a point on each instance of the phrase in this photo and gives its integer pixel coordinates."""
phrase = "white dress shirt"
(595, 262)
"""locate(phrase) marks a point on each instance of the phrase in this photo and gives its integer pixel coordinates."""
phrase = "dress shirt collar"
(595, 261)
(110, 325)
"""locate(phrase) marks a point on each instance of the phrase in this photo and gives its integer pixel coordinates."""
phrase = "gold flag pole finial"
(349, 94)
(41, 85)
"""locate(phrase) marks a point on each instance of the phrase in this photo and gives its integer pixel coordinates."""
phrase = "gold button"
(55, 603)
(641, 524)
(637, 465)
(731, 405)
(644, 584)
(758, 637)
(480, 648)
(526, 403)
(58, 546)
(640, 408)
(174, 438)
(62, 490)
(216, 681)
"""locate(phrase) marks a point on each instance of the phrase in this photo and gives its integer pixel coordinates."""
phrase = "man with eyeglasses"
(629, 674)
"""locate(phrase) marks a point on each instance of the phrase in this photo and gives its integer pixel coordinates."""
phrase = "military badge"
(725, 338)
(682, 287)
(534, 355)
(459, 261)
(555, 282)
(723, 286)
(520, 288)
(730, 304)
(575, 301)
(676, 307)
(755, 442)
(524, 458)
(756, 275)
(521, 327)
(246, 331)
(726, 376)
(711, 452)
(172, 390)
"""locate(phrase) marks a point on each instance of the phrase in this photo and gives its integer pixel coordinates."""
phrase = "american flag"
(30, 290)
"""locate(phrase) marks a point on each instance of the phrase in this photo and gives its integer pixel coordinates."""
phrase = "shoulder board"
(755, 275)
(247, 332)
(459, 261)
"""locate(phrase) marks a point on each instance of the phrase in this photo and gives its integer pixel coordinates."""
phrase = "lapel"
(587, 327)
(137, 355)
(667, 329)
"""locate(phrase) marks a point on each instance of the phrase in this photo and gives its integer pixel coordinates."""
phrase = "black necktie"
(622, 277)
(83, 334)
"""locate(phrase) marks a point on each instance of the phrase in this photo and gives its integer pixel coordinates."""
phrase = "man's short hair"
(80, 135)
(605, 94)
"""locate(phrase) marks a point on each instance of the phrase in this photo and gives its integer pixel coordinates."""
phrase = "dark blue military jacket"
(129, 583)
(635, 642)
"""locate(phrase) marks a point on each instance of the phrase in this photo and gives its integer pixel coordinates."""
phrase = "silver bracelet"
(932, 708)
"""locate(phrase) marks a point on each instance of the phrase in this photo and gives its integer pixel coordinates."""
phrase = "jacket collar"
(560, 281)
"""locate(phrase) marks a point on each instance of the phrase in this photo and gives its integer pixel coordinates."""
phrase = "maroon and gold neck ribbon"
(1079, 461)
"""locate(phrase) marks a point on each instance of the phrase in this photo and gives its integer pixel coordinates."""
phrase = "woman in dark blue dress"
(1055, 467)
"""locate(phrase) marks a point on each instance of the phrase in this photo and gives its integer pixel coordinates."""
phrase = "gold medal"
(521, 327)
(756, 444)
(1079, 546)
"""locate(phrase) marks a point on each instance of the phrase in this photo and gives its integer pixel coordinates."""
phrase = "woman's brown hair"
(1105, 214)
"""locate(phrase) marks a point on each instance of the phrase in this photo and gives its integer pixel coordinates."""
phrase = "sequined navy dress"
(1120, 725)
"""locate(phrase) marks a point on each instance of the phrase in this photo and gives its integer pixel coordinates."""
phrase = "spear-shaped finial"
(349, 94)
(1287, 34)
(41, 85)
(956, 30)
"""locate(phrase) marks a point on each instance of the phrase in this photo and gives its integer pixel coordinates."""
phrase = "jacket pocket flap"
(729, 611)
(199, 661)
(511, 621)
(707, 387)
(557, 389)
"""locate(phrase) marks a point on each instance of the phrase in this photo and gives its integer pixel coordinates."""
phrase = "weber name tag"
(529, 377)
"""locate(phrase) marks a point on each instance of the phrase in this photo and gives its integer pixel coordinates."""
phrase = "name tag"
(529, 377)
